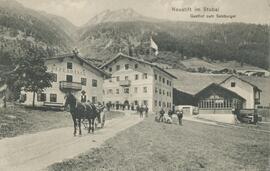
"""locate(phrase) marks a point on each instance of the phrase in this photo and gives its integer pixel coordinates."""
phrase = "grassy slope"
(17, 121)
(194, 146)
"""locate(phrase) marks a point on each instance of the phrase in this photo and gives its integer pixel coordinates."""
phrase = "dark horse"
(81, 111)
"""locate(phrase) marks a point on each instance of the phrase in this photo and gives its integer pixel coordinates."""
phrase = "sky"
(80, 11)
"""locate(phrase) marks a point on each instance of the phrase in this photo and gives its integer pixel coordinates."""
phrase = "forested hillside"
(247, 43)
(22, 29)
(125, 30)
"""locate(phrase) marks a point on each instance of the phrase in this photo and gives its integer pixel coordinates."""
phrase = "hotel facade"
(71, 73)
(135, 82)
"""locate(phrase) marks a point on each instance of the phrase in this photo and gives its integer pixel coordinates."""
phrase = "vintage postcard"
(134, 85)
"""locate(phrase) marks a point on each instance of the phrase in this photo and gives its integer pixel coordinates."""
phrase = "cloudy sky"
(80, 11)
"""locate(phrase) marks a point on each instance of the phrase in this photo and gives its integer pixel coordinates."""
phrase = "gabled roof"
(254, 86)
(220, 87)
(137, 60)
(72, 55)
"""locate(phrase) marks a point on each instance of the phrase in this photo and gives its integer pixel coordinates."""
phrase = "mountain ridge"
(127, 31)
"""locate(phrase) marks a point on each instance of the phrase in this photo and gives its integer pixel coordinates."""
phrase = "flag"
(154, 46)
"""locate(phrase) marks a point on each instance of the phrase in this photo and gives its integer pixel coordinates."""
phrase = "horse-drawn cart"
(99, 121)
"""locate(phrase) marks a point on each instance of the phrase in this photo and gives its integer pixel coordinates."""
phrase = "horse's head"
(70, 100)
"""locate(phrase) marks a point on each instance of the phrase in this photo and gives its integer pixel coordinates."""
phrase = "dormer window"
(232, 84)
(69, 65)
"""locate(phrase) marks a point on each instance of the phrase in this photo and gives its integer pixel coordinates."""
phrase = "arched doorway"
(126, 104)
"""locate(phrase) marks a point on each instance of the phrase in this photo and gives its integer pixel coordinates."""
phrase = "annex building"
(222, 102)
(136, 82)
(71, 73)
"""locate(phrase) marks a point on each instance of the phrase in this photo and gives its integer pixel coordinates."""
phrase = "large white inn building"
(137, 82)
(71, 74)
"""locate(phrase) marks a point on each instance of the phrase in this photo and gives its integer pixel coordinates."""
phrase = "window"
(164, 104)
(94, 99)
(155, 102)
(145, 89)
(126, 77)
(145, 76)
(136, 66)
(117, 91)
(83, 81)
(155, 76)
(232, 84)
(126, 66)
(69, 65)
(163, 80)
(110, 69)
(145, 102)
(23, 98)
(156, 90)
(41, 97)
(110, 91)
(94, 83)
(53, 98)
(117, 67)
(126, 90)
(54, 77)
(168, 83)
(163, 92)
(117, 78)
(135, 89)
(159, 103)
(159, 78)
(136, 77)
(69, 78)
(167, 93)
(160, 92)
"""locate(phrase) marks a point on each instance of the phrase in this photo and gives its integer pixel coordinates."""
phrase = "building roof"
(72, 55)
(254, 86)
(215, 85)
(138, 60)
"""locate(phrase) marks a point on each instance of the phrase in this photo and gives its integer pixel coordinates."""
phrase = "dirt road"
(36, 151)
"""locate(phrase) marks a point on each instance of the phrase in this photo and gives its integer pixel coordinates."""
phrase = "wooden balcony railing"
(125, 83)
(70, 85)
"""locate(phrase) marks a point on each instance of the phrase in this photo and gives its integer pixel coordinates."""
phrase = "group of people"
(143, 109)
(179, 114)
(120, 106)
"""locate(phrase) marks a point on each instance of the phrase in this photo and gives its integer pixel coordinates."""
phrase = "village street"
(36, 151)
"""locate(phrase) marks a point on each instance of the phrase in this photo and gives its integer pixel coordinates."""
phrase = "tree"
(31, 73)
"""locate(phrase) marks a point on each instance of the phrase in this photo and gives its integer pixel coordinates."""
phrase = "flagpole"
(150, 48)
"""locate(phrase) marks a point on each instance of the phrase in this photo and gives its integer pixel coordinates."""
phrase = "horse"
(80, 111)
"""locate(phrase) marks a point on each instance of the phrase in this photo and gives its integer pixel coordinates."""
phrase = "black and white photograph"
(134, 85)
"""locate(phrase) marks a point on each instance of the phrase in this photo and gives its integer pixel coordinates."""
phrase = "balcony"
(124, 83)
(64, 85)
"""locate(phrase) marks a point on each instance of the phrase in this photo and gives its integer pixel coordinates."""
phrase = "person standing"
(161, 114)
(83, 97)
(141, 111)
(179, 114)
(146, 111)
(170, 113)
